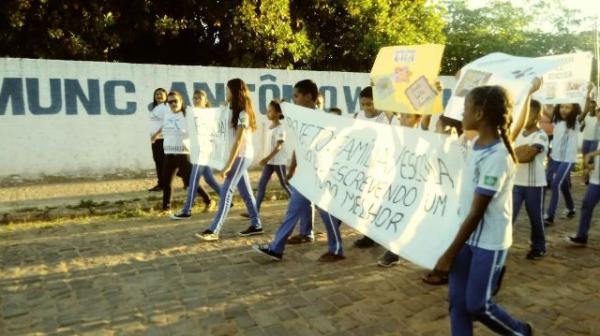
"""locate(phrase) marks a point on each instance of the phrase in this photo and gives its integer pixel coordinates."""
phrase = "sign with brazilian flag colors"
(404, 78)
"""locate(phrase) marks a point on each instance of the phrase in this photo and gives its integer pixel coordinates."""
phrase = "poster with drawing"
(513, 73)
(404, 79)
(568, 82)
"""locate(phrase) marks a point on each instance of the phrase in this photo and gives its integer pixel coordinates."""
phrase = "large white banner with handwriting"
(397, 185)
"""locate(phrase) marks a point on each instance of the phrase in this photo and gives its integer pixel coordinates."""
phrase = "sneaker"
(388, 259)
(330, 257)
(578, 241)
(207, 235)
(300, 239)
(245, 215)
(155, 188)
(535, 254)
(548, 221)
(364, 242)
(529, 329)
(251, 231)
(567, 214)
(210, 206)
(180, 216)
(266, 251)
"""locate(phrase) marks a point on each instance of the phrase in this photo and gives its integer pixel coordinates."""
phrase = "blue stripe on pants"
(332, 226)
(473, 274)
(237, 176)
(559, 173)
(298, 207)
(193, 185)
(268, 170)
(534, 202)
(590, 200)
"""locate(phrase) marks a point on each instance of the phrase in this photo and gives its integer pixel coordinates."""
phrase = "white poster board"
(568, 82)
(398, 186)
(210, 136)
(515, 74)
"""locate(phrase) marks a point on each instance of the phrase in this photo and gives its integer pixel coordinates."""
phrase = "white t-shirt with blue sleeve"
(564, 142)
(489, 171)
(532, 174)
(246, 147)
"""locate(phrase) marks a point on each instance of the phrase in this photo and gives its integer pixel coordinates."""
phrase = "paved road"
(150, 276)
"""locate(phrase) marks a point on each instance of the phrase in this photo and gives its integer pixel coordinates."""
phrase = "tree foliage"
(306, 34)
(544, 27)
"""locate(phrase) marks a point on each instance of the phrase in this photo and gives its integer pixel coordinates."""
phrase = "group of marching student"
(504, 168)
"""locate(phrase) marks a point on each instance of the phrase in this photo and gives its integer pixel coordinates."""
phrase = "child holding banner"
(176, 147)
(200, 100)
(475, 258)
(367, 108)
(591, 198)
(530, 180)
(157, 115)
(243, 124)
(299, 207)
(562, 158)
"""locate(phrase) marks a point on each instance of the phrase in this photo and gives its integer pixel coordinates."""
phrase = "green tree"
(544, 27)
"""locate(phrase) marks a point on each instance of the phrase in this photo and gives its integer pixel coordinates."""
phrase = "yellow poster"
(404, 79)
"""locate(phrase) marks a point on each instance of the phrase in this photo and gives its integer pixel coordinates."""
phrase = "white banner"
(397, 185)
(515, 74)
(568, 82)
(210, 136)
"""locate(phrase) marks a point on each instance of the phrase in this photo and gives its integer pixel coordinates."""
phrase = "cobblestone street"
(151, 276)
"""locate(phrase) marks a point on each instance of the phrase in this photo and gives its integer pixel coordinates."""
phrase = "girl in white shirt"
(158, 108)
(277, 159)
(243, 124)
(477, 254)
(176, 146)
(562, 158)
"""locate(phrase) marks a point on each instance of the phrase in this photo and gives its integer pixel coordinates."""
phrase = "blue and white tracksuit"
(476, 268)
(562, 161)
(590, 200)
(238, 177)
(197, 172)
(299, 209)
(268, 170)
(529, 185)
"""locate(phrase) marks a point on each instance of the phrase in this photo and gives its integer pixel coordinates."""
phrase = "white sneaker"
(207, 235)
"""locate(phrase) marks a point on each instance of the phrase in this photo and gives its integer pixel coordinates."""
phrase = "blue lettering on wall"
(110, 101)
(287, 93)
(331, 98)
(351, 100)
(12, 88)
(262, 92)
(33, 96)
(182, 89)
(215, 99)
(74, 92)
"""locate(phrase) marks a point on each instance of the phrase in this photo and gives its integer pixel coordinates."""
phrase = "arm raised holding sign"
(518, 126)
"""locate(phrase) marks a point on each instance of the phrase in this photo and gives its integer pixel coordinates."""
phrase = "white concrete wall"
(47, 130)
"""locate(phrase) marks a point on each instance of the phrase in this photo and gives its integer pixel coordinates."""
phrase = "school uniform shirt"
(532, 174)
(246, 148)
(564, 143)
(380, 118)
(489, 171)
(157, 116)
(278, 134)
(590, 129)
(175, 133)
(595, 174)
